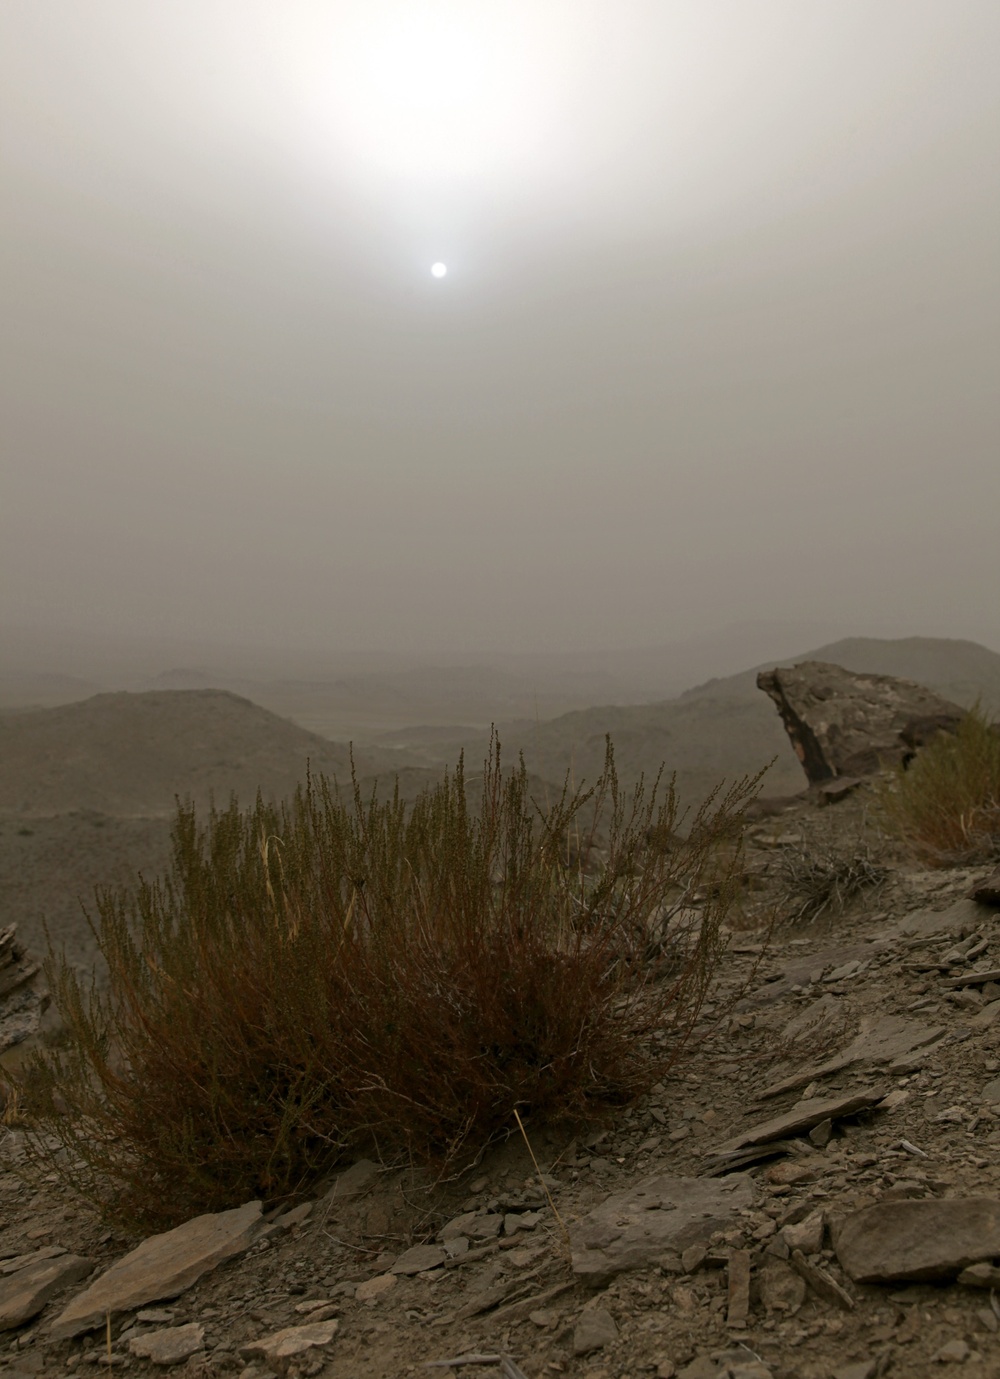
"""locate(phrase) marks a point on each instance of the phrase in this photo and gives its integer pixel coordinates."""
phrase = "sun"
(438, 270)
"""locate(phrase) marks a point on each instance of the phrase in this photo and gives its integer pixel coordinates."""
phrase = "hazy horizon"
(717, 346)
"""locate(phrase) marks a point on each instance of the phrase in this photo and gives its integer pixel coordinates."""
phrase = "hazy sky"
(718, 338)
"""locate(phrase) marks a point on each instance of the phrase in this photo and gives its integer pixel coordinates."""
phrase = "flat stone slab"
(961, 917)
(659, 1215)
(161, 1267)
(802, 1118)
(918, 1240)
(281, 1347)
(474, 1225)
(880, 1040)
(418, 1258)
(26, 1290)
(171, 1345)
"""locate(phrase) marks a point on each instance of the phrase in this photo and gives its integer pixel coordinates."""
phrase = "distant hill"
(130, 754)
(727, 727)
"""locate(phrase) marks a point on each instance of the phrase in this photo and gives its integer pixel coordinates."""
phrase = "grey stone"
(169, 1346)
(781, 1288)
(991, 1092)
(986, 1017)
(703, 1367)
(962, 917)
(280, 1348)
(351, 1183)
(474, 1225)
(801, 1119)
(820, 1135)
(844, 724)
(863, 1369)
(375, 1288)
(917, 1241)
(594, 1330)
(954, 1352)
(521, 1221)
(419, 1258)
(980, 1276)
(295, 1217)
(824, 1285)
(880, 1040)
(26, 1290)
(11, 1266)
(806, 1235)
(659, 1214)
(738, 1288)
(161, 1267)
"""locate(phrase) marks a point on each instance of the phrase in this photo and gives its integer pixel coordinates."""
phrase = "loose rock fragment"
(781, 1288)
(806, 1235)
(658, 1215)
(161, 1267)
(822, 1283)
(279, 1349)
(864, 1369)
(372, 1289)
(980, 1276)
(739, 1288)
(953, 1352)
(916, 1241)
(26, 1289)
(418, 1259)
(169, 1346)
(595, 1329)
(801, 1118)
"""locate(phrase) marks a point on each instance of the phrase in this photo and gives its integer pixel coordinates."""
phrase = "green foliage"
(319, 978)
(945, 808)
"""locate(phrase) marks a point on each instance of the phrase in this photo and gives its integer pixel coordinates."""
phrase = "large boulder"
(844, 724)
(24, 998)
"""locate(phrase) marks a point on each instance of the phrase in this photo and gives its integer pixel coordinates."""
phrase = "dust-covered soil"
(763, 1295)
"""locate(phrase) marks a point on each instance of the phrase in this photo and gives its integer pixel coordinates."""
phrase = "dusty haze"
(718, 340)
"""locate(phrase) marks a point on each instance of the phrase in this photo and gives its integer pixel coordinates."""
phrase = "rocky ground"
(840, 1122)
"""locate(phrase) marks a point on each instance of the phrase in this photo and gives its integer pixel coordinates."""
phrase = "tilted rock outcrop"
(24, 998)
(843, 724)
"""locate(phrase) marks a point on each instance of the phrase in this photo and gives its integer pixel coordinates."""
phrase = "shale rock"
(161, 1267)
(844, 724)
(660, 1215)
(170, 1345)
(26, 1290)
(282, 1347)
(918, 1241)
(24, 998)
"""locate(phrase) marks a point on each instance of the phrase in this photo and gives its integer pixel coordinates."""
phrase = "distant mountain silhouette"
(131, 754)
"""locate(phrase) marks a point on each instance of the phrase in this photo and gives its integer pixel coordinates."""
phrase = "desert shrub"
(945, 806)
(338, 973)
(819, 879)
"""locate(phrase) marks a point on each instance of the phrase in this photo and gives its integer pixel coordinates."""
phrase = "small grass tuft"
(316, 979)
(945, 806)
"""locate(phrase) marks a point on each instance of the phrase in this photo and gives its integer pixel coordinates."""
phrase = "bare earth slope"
(132, 754)
(890, 1006)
